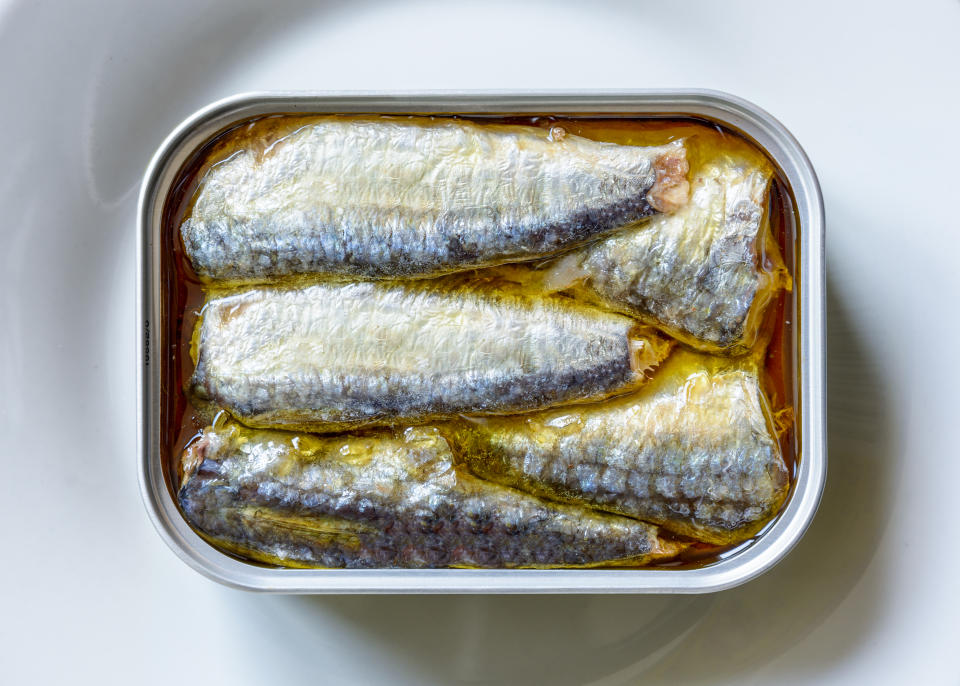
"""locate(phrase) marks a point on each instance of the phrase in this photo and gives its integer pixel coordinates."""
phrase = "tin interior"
(736, 567)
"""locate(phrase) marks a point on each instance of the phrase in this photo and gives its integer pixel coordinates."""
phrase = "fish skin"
(334, 356)
(418, 197)
(693, 451)
(695, 273)
(386, 500)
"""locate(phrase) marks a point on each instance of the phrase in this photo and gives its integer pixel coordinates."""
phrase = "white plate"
(90, 89)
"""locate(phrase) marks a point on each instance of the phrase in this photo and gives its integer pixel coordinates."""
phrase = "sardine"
(704, 274)
(414, 197)
(386, 501)
(333, 356)
(694, 451)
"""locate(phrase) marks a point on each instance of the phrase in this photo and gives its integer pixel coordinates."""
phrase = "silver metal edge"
(775, 543)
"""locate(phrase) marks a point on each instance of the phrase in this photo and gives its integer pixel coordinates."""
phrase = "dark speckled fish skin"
(698, 273)
(386, 501)
(418, 197)
(694, 451)
(336, 356)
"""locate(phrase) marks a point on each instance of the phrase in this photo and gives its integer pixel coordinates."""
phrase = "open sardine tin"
(733, 568)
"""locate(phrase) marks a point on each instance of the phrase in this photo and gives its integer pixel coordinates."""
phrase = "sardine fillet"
(386, 501)
(698, 273)
(693, 451)
(333, 356)
(392, 197)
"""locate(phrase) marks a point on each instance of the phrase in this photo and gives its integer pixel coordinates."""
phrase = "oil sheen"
(184, 295)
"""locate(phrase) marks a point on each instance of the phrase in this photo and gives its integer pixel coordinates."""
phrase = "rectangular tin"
(728, 110)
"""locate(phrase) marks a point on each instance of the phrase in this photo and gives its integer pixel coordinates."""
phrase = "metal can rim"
(740, 114)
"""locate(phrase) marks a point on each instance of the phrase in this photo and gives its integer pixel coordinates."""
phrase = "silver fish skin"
(334, 356)
(386, 501)
(694, 451)
(697, 273)
(417, 196)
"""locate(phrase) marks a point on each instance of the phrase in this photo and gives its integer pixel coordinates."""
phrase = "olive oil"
(183, 291)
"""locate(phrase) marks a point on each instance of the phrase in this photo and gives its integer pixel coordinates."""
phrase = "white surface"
(90, 594)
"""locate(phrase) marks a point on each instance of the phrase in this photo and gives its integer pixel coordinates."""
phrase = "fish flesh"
(705, 273)
(694, 451)
(418, 196)
(386, 500)
(332, 356)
